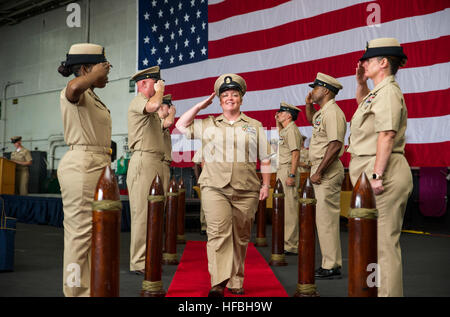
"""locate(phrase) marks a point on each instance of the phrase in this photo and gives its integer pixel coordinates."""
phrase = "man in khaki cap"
(327, 171)
(22, 157)
(87, 132)
(230, 187)
(289, 145)
(377, 144)
(167, 113)
(146, 142)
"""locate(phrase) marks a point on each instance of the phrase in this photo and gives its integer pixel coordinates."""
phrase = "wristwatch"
(292, 175)
(376, 176)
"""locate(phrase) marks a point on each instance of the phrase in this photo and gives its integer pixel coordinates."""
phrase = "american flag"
(278, 46)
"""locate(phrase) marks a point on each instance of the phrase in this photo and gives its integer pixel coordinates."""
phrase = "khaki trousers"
(22, 179)
(202, 219)
(142, 169)
(229, 216)
(328, 209)
(78, 175)
(391, 205)
(290, 209)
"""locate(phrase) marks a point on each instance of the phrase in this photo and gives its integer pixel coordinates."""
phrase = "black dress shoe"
(328, 274)
(290, 253)
(216, 291)
(203, 232)
(138, 272)
(236, 291)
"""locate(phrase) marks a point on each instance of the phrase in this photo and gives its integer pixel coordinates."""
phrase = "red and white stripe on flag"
(278, 46)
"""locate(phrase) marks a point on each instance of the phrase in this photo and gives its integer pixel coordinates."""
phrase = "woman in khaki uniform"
(289, 145)
(22, 158)
(87, 132)
(167, 113)
(377, 143)
(230, 187)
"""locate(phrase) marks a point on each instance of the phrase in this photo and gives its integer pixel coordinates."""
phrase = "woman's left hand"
(263, 193)
(377, 186)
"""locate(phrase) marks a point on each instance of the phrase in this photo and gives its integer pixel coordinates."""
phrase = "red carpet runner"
(192, 277)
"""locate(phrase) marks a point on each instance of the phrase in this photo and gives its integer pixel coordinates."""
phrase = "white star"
(192, 29)
(166, 1)
(192, 3)
(160, 13)
(146, 16)
(171, 59)
(159, 60)
(180, 57)
(192, 53)
(180, 5)
(176, 46)
(186, 43)
(203, 50)
(198, 14)
(202, 1)
(176, 21)
(154, 3)
(153, 50)
(154, 27)
(198, 39)
(186, 18)
(167, 48)
(203, 25)
(171, 10)
(172, 36)
(167, 25)
(146, 40)
(180, 32)
(161, 38)
(145, 62)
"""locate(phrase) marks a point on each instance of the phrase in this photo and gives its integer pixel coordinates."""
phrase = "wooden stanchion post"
(306, 286)
(170, 256)
(181, 239)
(362, 244)
(152, 285)
(261, 240)
(277, 258)
(105, 248)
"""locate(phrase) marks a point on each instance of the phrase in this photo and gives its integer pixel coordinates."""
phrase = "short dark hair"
(66, 71)
(394, 63)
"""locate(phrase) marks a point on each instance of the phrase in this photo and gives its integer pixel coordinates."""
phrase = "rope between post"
(172, 194)
(106, 205)
(170, 256)
(277, 257)
(307, 201)
(367, 213)
(307, 289)
(277, 195)
(152, 286)
(155, 198)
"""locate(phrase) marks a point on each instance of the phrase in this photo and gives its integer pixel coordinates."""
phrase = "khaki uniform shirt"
(230, 151)
(87, 122)
(304, 158)
(23, 155)
(329, 125)
(144, 129)
(167, 143)
(290, 140)
(383, 109)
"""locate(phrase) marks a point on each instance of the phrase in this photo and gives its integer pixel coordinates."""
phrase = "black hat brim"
(384, 51)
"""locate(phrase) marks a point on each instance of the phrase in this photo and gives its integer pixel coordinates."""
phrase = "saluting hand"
(205, 103)
(159, 85)
(101, 70)
(308, 98)
(360, 70)
(172, 110)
